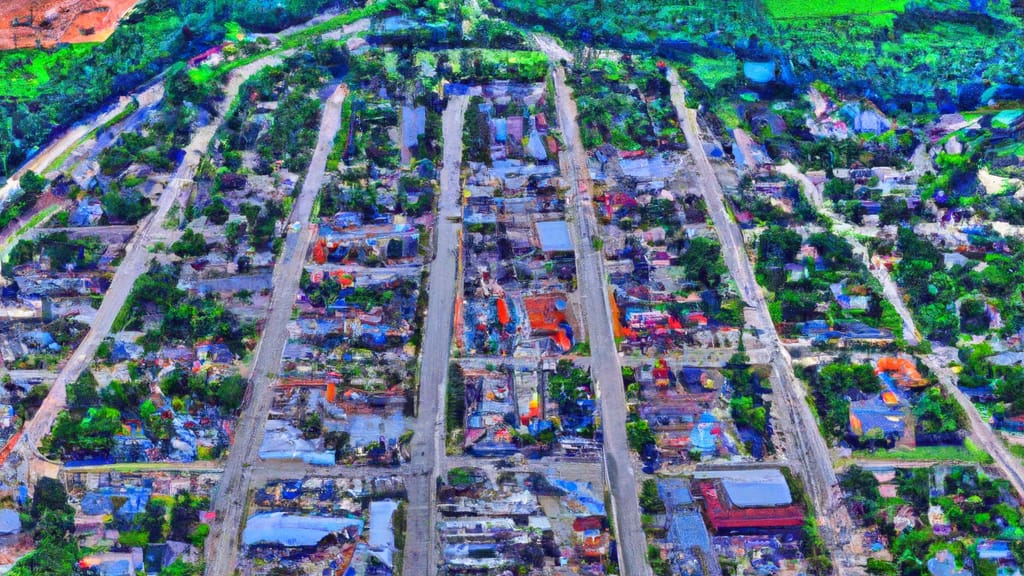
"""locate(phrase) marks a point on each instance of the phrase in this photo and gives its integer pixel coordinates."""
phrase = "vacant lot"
(785, 9)
(26, 24)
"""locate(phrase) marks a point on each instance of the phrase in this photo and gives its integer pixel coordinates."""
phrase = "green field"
(25, 71)
(786, 9)
(966, 453)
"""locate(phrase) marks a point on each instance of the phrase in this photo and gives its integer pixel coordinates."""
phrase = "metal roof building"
(554, 236)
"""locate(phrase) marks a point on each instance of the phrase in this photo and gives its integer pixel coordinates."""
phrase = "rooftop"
(554, 236)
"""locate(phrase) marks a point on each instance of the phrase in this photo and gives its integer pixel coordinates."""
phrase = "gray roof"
(554, 236)
(675, 492)
(749, 488)
(10, 522)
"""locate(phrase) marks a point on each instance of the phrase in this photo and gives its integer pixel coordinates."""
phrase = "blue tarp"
(500, 130)
(293, 531)
(582, 494)
(759, 71)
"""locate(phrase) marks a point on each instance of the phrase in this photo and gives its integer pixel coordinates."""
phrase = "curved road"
(889, 289)
(135, 262)
(985, 437)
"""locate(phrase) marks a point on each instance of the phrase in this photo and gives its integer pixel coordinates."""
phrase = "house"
(217, 353)
(871, 207)
(122, 351)
(878, 418)
(994, 550)
(749, 499)
(541, 121)
(179, 354)
(847, 302)
(796, 272)
(159, 556)
(10, 522)
(937, 520)
(87, 213)
(208, 55)
(745, 219)
(554, 236)
(865, 118)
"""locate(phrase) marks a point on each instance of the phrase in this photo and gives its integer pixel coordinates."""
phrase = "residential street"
(135, 262)
(229, 500)
(890, 291)
(606, 371)
(804, 443)
(937, 362)
(428, 447)
(71, 137)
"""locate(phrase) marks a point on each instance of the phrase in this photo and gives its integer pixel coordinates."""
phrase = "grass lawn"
(784, 9)
(711, 71)
(966, 453)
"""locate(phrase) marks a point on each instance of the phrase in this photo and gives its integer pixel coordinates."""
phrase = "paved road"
(428, 445)
(134, 263)
(229, 500)
(632, 544)
(937, 362)
(805, 444)
(984, 436)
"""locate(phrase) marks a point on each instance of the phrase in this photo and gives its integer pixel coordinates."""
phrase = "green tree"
(650, 500)
(128, 208)
(153, 520)
(703, 262)
(230, 391)
(777, 246)
(311, 426)
(216, 211)
(82, 392)
(33, 184)
(639, 434)
(49, 495)
(191, 244)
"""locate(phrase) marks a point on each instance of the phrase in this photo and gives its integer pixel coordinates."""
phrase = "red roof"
(724, 517)
(584, 523)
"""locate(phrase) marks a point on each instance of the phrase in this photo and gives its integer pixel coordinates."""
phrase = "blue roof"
(554, 236)
(874, 413)
(675, 492)
(701, 437)
(687, 530)
(99, 501)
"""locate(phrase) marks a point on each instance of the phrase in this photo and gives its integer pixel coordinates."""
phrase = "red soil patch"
(28, 23)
